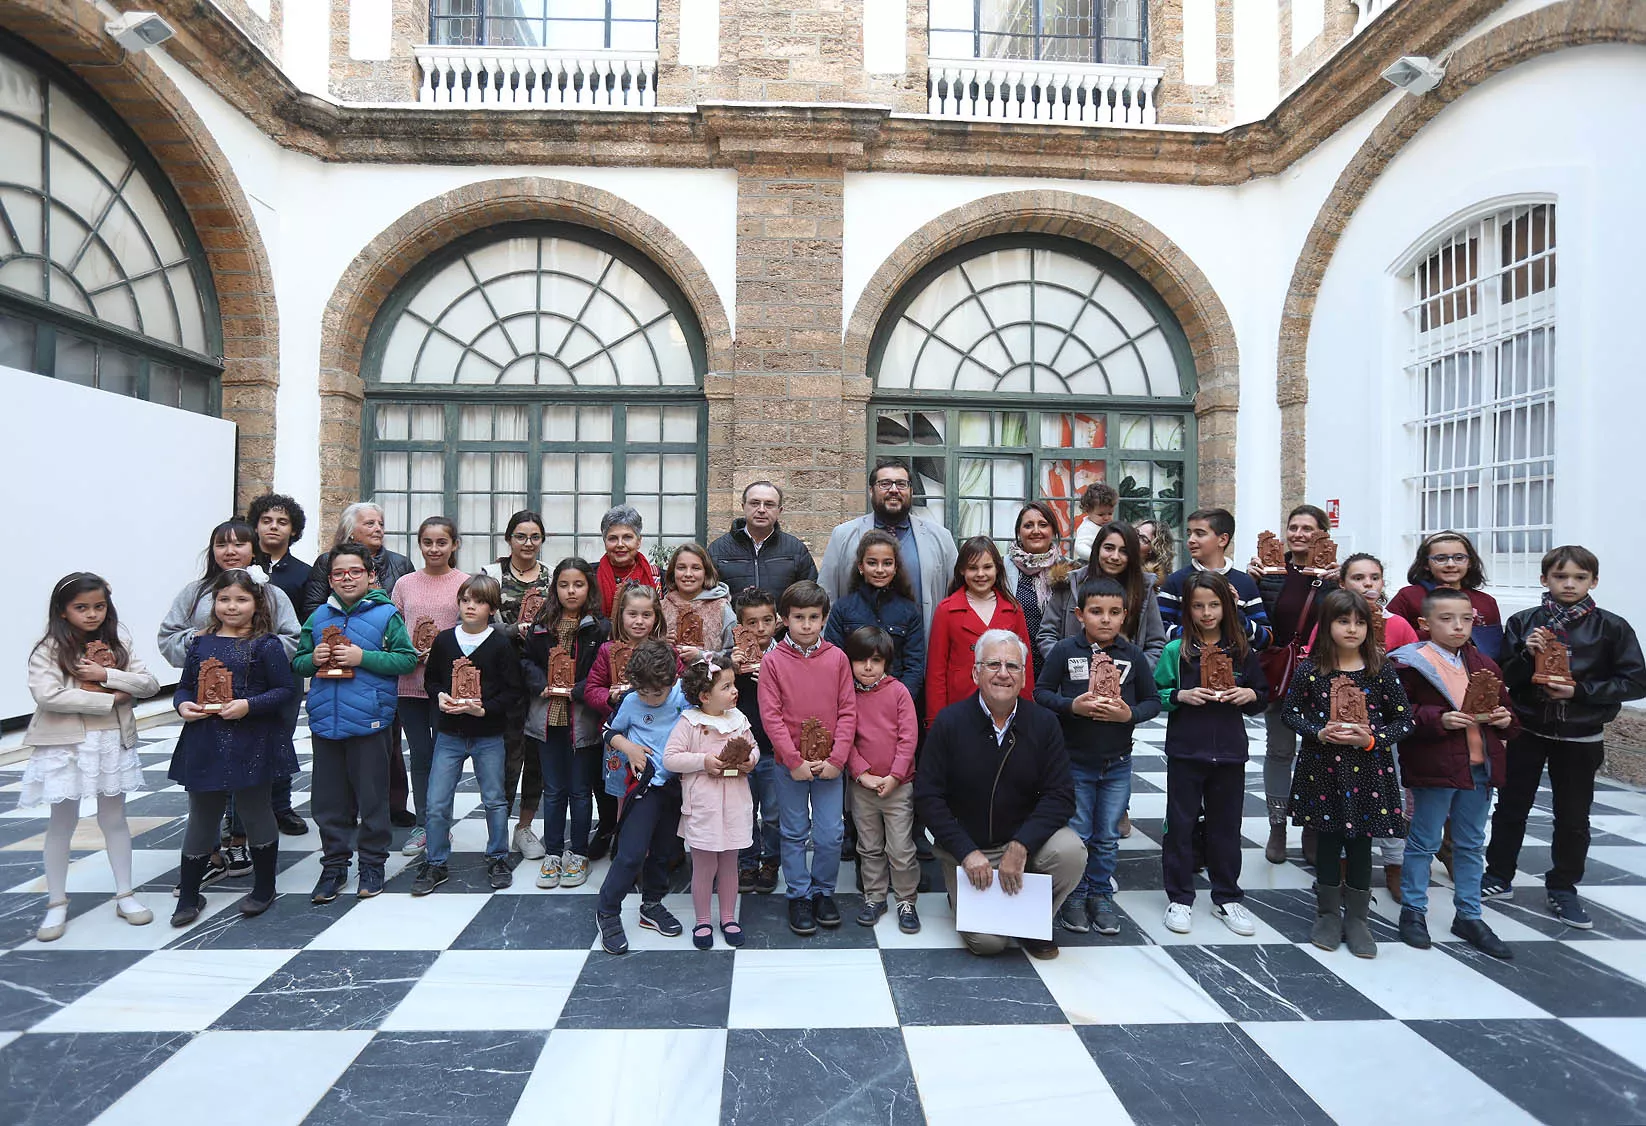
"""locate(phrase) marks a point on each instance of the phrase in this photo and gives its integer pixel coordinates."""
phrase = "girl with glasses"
(1448, 559)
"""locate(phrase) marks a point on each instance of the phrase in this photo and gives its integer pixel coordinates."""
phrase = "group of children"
(785, 717)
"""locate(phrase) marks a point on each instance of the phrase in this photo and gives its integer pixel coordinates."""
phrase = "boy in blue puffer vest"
(351, 717)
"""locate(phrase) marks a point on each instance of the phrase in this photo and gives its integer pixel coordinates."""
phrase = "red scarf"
(640, 571)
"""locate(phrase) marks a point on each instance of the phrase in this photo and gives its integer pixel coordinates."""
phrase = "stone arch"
(436, 222)
(180, 142)
(1132, 239)
(1568, 23)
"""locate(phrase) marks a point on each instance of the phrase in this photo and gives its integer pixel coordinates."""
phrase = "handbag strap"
(1298, 639)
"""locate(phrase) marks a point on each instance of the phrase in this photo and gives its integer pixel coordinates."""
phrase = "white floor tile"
(481, 989)
(936, 926)
(1125, 985)
(300, 878)
(1630, 858)
(644, 938)
(1337, 1063)
(399, 922)
(92, 873)
(1148, 806)
(1020, 1073)
(1257, 874)
(1442, 911)
(810, 989)
(212, 1070)
(8, 1037)
(1411, 984)
(101, 929)
(1148, 910)
(1617, 824)
(1630, 900)
(1625, 955)
(591, 1078)
(1624, 1035)
(169, 991)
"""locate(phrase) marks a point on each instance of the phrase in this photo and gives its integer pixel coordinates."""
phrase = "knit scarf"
(1034, 589)
(640, 571)
(1563, 617)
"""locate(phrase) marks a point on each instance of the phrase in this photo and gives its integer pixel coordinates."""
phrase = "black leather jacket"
(1606, 664)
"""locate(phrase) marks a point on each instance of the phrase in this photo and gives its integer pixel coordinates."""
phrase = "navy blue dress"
(215, 754)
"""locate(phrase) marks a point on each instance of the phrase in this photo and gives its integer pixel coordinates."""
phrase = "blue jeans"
(810, 809)
(444, 771)
(1101, 793)
(1431, 806)
(417, 721)
(569, 778)
(767, 831)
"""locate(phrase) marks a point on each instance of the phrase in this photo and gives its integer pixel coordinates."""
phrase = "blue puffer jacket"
(893, 613)
(365, 703)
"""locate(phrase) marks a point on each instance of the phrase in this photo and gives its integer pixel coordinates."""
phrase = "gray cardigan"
(1057, 620)
(191, 613)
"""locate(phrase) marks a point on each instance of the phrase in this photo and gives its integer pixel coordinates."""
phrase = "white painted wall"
(123, 488)
(886, 36)
(371, 29)
(1200, 42)
(1256, 59)
(1308, 21)
(1571, 125)
(305, 44)
(699, 32)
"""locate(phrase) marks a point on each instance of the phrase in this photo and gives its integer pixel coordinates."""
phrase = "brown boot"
(1309, 838)
(1444, 852)
(1275, 851)
(1391, 880)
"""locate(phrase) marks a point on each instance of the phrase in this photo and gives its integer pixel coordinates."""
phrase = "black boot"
(263, 859)
(189, 900)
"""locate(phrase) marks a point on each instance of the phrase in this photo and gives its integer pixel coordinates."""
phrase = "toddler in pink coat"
(716, 808)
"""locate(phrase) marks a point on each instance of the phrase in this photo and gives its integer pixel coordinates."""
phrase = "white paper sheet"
(1028, 914)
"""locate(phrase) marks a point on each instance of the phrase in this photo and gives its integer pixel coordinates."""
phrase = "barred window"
(1062, 31)
(566, 25)
(1482, 373)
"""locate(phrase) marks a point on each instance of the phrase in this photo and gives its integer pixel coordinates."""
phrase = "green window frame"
(479, 451)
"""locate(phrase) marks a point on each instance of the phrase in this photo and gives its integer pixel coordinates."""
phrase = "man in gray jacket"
(927, 549)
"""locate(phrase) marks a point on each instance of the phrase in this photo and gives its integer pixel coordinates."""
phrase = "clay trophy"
(530, 603)
(816, 744)
(688, 629)
(1348, 703)
(735, 755)
(423, 634)
(562, 673)
(1552, 664)
(618, 657)
(746, 646)
(98, 653)
(1271, 555)
(465, 681)
(1323, 554)
(1484, 695)
(1105, 683)
(332, 637)
(1375, 628)
(216, 687)
(1216, 671)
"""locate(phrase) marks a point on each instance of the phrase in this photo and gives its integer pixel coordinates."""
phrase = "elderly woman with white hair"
(623, 562)
(361, 523)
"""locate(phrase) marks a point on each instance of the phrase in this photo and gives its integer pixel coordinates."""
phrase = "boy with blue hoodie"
(351, 717)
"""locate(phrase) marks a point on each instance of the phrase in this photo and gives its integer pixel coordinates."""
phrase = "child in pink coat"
(716, 808)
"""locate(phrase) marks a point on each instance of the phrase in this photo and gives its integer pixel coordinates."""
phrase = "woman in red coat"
(978, 600)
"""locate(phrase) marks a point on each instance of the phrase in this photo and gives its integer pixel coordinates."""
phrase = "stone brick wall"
(394, 79)
(1295, 69)
(264, 32)
(1181, 104)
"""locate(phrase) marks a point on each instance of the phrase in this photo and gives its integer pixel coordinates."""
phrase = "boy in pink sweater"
(806, 694)
(882, 765)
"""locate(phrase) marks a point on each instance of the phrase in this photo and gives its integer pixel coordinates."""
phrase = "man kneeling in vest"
(350, 718)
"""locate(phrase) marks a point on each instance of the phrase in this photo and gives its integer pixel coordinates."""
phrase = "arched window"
(538, 366)
(1015, 368)
(102, 280)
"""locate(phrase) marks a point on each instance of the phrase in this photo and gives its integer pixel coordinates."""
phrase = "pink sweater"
(420, 595)
(716, 812)
(887, 730)
(794, 689)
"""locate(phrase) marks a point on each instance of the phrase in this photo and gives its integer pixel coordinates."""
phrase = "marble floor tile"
(401, 1077)
(1125, 985)
(936, 926)
(213, 1069)
(92, 873)
(810, 989)
(465, 874)
(1167, 1074)
(684, 1072)
(1630, 901)
(765, 922)
(22, 913)
(1148, 908)
(1291, 911)
(59, 1079)
(1148, 806)
(329, 990)
(291, 923)
(1442, 911)
(99, 928)
(1559, 979)
(169, 991)
(651, 989)
(644, 938)
(1033, 1074)
(1272, 983)
(480, 989)
(1257, 874)
(956, 987)
(826, 1075)
(34, 984)
(1624, 1035)
(1530, 909)
(545, 921)
(399, 922)
(1411, 984)
(1627, 956)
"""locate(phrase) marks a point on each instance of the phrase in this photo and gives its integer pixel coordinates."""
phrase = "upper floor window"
(1482, 324)
(1063, 31)
(567, 25)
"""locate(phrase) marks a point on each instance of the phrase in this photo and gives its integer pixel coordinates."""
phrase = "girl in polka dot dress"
(1344, 786)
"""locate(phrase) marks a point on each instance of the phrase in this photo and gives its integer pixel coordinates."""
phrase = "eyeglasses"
(349, 573)
(523, 537)
(1457, 558)
(892, 486)
(995, 666)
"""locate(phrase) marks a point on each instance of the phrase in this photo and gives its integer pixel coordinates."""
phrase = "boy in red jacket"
(882, 765)
(804, 679)
(1450, 763)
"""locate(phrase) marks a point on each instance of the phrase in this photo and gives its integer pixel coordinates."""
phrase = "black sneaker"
(908, 919)
(217, 869)
(291, 824)
(370, 883)
(429, 877)
(1105, 918)
(765, 878)
(656, 917)
(801, 919)
(825, 910)
(612, 938)
(1565, 906)
(499, 873)
(745, 880)
(239, 860)
(1493, 888)
(1414, 928)
(330, 886)
(1477, 934)
(870, 913)
(1073, 916)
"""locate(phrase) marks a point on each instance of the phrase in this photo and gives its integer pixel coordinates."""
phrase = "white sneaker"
(1179, 917)
(528, 843)
(1236, 918)
(548, 876)
(574, 870)
(416, 843)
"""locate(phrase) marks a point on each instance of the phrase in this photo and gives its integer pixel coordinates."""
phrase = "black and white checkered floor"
(478, 1007)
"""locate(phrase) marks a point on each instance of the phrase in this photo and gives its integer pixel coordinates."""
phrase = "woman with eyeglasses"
(521, 574)
(1449, 559)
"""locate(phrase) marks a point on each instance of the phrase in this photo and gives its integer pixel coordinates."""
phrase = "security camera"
(1414, 74)
(138, 31)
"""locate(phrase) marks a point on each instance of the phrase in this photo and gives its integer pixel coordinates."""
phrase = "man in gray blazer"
(927, 549)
